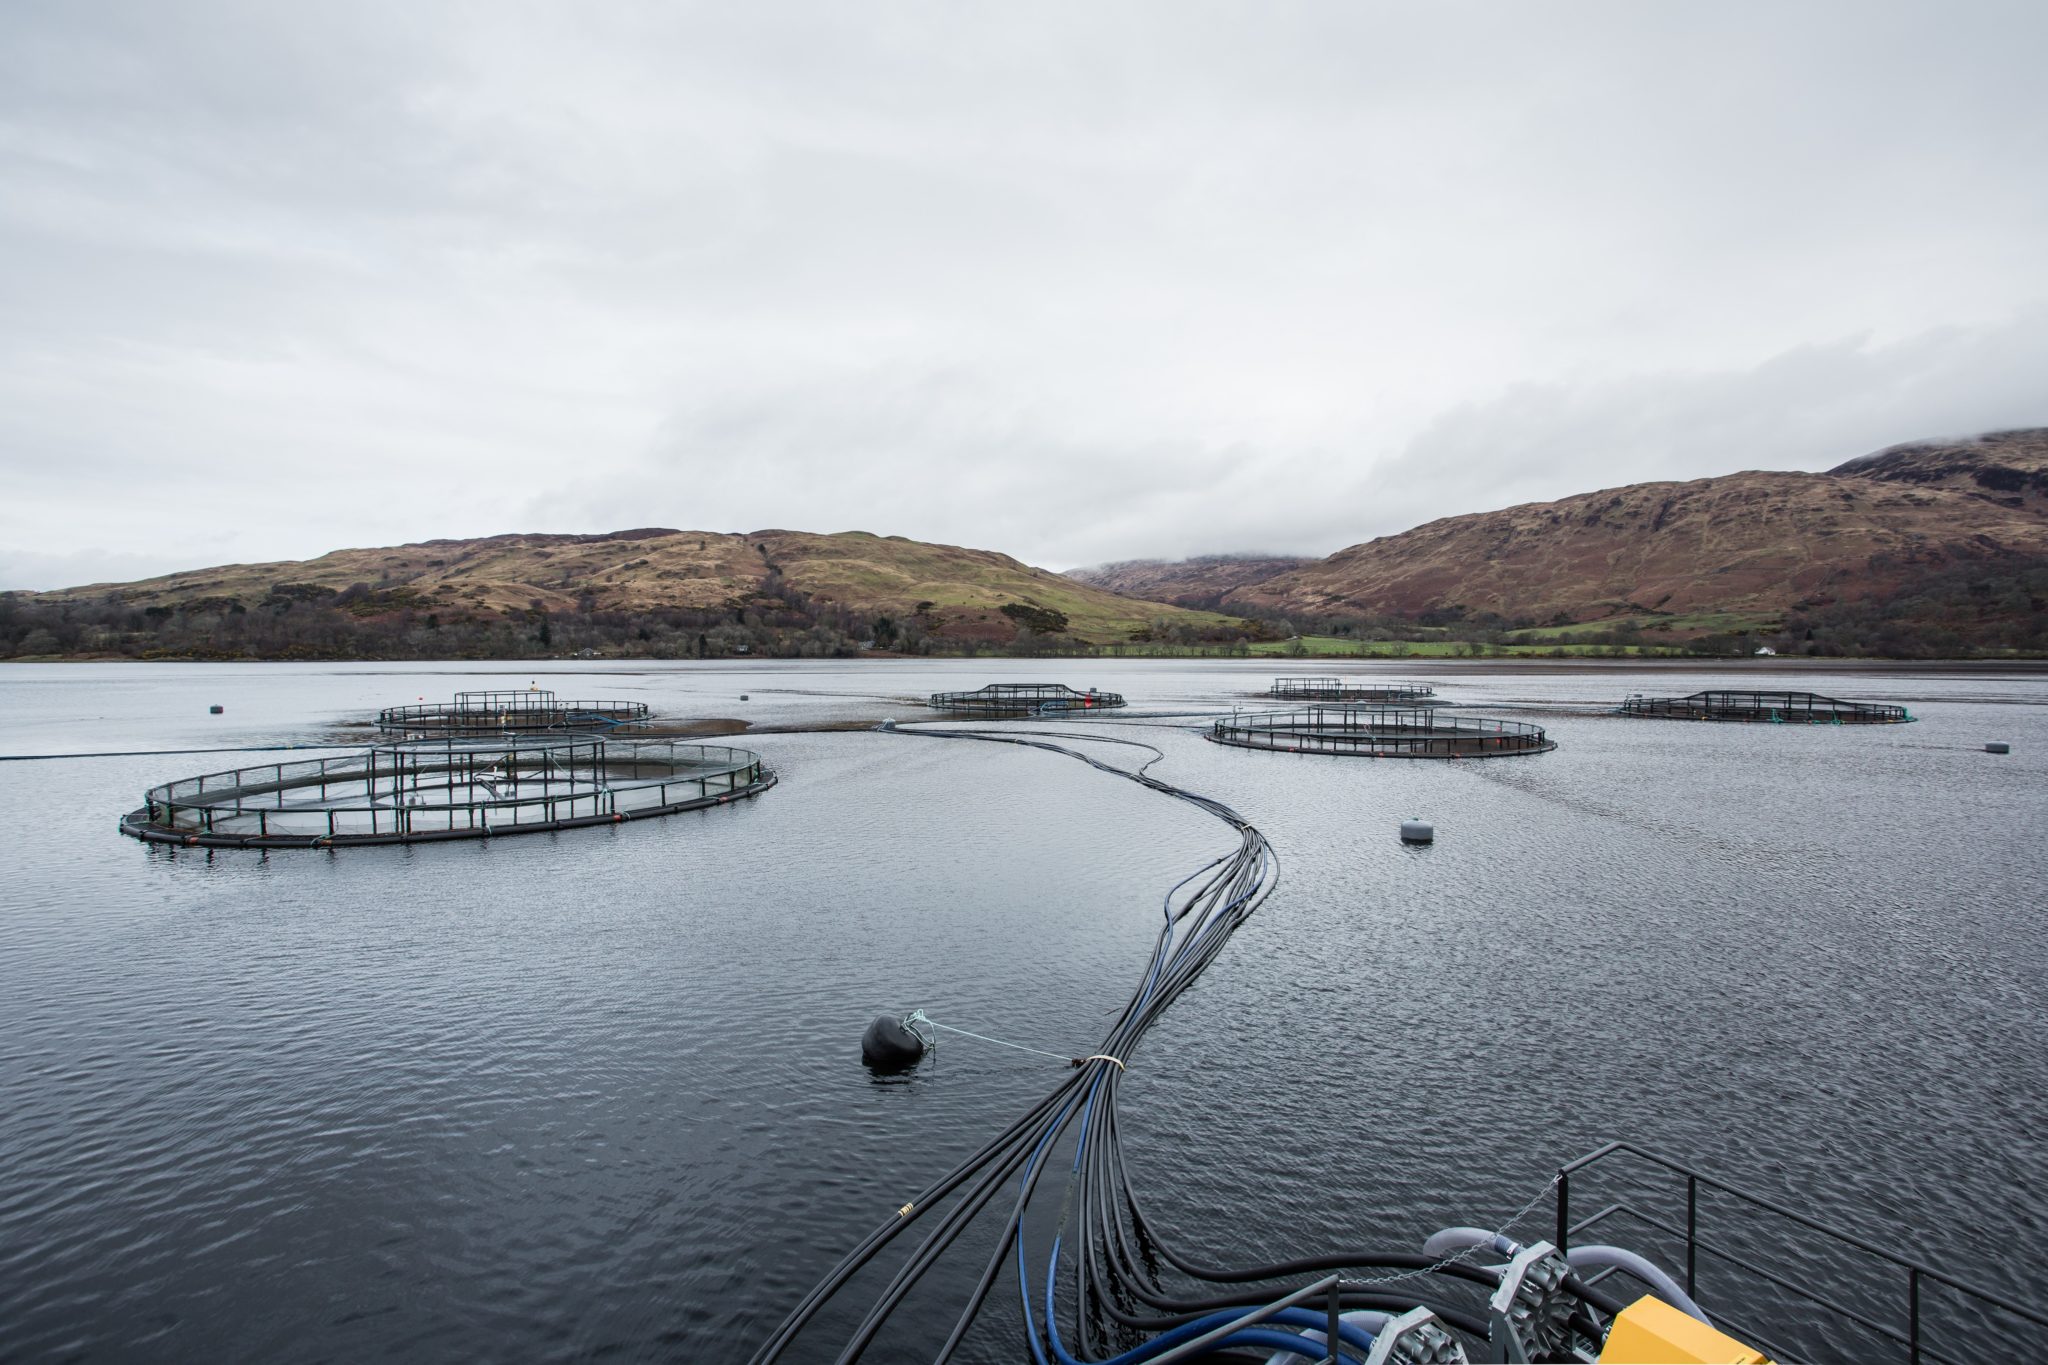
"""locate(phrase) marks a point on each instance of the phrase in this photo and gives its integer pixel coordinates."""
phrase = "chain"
(1466, 1253)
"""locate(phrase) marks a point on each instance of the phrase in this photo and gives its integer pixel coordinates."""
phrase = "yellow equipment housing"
(1652, 1332)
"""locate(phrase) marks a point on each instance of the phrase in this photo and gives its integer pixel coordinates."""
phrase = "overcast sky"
(1076, 282)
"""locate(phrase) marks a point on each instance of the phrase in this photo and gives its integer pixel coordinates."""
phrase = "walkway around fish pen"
(1381, 732)
(1769, 708)
(426, 790)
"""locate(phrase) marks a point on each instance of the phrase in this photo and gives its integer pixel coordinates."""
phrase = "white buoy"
(1998, 746)
(1417, 832)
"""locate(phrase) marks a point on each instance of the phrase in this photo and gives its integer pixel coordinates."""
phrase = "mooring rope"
(916, 1017)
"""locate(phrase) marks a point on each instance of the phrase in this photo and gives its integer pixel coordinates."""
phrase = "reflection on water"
(601, 1091)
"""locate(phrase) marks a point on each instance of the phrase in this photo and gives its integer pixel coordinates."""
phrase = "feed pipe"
(1591, 1258)
(1451, 1241)
(1584, 1259)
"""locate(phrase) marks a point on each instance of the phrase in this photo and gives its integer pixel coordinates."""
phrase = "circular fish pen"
(1382, 732)
(1011, 700)
(519, 711)
(1337, 689)
(1768, 708)
(415, 791)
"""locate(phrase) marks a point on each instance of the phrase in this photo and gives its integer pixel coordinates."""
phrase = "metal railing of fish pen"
(1338, 689)
(1381, 732)
(511, 711)
(1901, 1306)
(998, 700)
(445, 789)
(1770, 708)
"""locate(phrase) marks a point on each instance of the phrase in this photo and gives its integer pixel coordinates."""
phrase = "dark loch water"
(598, 1093)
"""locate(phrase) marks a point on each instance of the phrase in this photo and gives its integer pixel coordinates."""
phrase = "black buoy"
(888, 1044)
(215, 710)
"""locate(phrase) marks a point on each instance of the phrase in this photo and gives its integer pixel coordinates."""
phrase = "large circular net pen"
(1341, 689)
(999, 700)
(420, 790)
(524, 711)
(1381, 732)
(1769, 708)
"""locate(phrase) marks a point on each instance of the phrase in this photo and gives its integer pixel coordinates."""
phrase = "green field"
(1699, 623)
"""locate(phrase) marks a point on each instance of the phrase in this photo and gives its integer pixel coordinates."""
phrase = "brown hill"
(1752, 543)
(1200, 582)
(953, 592)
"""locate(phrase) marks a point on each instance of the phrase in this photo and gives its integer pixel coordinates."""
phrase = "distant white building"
(1765, 649)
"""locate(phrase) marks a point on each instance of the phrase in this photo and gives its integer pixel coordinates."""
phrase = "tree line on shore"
(301, 621)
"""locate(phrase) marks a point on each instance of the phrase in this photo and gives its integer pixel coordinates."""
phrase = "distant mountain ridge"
(1943, 541)
(1201, 582)
(1759, 543)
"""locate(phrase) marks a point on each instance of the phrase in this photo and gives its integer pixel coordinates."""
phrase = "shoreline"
(1304, 664)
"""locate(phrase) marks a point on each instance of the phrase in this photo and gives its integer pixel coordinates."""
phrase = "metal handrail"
(345, 767)
(1916, 1270)
(1806, 707)
(1340, 689)
(1772, 1277)
(498, 711)
(1023, 699)
(1390, 731)
(393, 784)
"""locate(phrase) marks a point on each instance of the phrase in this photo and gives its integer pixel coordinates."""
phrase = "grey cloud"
(1074, 282)
(1809, 408)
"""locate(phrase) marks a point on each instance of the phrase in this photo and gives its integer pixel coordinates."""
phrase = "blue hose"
(1349, 1333)
(1023, 1282)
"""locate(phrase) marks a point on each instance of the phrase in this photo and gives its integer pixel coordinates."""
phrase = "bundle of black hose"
(888, 1046)
(1125, 1277)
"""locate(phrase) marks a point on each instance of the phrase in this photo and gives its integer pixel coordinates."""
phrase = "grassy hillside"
(1757, 546)
(648, 591)
(966, 590)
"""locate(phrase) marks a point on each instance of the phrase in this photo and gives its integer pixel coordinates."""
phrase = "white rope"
(916, 1017)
